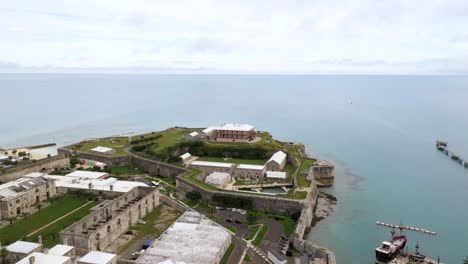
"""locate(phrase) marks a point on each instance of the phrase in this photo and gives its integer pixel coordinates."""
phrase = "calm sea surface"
(378, 130)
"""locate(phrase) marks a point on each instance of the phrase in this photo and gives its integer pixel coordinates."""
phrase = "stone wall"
(259, 203)
(46, 164)
(110, 219)
(173, 203)
(150, 166)
(303, 226)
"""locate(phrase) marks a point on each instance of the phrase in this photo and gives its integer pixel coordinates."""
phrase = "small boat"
(390, 249)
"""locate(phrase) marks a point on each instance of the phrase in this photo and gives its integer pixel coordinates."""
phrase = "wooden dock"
(442, 146)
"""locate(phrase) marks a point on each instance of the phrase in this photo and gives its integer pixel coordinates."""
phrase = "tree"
(39, 206)
(212, 211)
(252, 218)
(4, 254)
(48, 155)
(194, 196)
(12, 219)
(465, 261)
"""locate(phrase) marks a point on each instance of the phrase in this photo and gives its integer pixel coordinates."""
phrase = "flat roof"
(3, 157)
(97, 257)
(41, 258)
(211, 164)
(60, 250)
(276, 174)
(23, 247)
(14, 188)
(229, 126)
(250, 166)
(102, 149)
(191, 239)
(185, 155)
(96, 184)
(87, 174)
(194, 133)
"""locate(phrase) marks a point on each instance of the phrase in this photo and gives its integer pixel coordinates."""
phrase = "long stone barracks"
(109, 219)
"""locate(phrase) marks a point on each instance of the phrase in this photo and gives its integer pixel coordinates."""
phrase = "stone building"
(322, 171)
(22, 195)
(230, 132)
(276, 162)
(249, 172)
(208, 167)
(21, 249)
(109, 219)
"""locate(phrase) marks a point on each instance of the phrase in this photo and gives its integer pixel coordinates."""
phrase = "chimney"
(45, 251)
(39, 239)
(32, 259)
(111, 187)
(90, 185)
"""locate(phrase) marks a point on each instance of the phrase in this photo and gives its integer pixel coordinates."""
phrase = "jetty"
(442, 146)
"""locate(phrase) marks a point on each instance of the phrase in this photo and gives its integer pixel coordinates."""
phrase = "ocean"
(380, 131)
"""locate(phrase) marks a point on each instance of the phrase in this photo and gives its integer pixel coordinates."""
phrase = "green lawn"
(117, 143)
(261, 235)
(290, 170)
(235, 161)
(50, 234)
(125, 170)
(252, 231)
(228, 253)
(231, 228)
(286, 221)
(63, 205)
(151, 220)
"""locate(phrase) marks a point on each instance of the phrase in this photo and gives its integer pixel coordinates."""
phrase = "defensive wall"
(47, 164)
(149, 166)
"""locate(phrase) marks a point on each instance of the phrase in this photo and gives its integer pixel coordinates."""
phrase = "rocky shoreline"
(323, 208)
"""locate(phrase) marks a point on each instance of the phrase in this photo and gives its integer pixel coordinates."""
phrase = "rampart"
(47, 164)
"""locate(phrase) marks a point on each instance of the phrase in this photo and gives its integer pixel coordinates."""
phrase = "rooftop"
(278, 157)
(96, 184)
(218, 178)
(185, 155)
(97, 257)
(23, 247)
(102, 149)
(60, 250)
(250, 167)
(88, 174)
(185, 239)
(41, 258)
(211, 164)
(13, 188)
(276, 174)
(230, 126)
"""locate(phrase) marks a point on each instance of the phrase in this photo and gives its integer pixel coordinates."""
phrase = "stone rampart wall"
(47, 164)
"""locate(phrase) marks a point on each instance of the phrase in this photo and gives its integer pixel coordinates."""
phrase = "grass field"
(261, 235)
(125, 170)
(235, 161)
(63, 205)
(252, 231)
(118, 144)
(228, 253)
(156, 223)
(231, 228)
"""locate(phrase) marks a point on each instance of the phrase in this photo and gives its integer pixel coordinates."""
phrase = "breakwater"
(442, 146)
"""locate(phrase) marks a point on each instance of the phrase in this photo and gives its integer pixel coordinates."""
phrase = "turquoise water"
(378, 130)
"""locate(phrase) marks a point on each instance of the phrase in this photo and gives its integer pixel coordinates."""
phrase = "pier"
(442, 146)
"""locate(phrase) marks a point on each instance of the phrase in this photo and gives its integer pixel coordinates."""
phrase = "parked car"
(229, 220)
(238, 221)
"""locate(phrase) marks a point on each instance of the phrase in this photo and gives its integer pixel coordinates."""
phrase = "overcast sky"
(252, 36)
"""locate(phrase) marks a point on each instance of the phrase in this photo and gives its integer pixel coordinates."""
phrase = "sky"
(251, 36)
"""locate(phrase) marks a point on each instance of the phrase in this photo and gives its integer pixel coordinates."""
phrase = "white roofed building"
(41, 258)
(103, 150)
(276, 176)
(21, 249)
(88, 174)
(218, 179)
(64, 183)
(249, 172)
(98, 257)
(231, 132)
(185, 157)
(277, 161)
(191, 239)
(62, 250)
(208, 167)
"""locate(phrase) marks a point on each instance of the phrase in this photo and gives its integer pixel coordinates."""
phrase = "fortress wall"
(48, 164)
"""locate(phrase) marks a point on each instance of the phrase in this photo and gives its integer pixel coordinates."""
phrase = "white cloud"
(274, 36)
